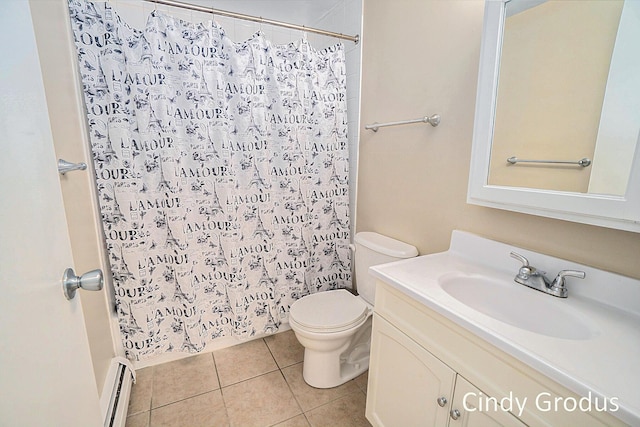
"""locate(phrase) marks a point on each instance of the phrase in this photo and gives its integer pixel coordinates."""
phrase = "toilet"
(334, 327)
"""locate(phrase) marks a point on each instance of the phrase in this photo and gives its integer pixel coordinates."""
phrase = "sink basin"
(516, 305)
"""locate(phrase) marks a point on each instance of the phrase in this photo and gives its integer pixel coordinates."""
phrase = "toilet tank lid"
(385, 245)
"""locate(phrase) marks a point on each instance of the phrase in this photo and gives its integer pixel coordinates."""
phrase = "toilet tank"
(375, 249)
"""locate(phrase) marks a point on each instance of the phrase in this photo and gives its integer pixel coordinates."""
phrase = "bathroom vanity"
(457, 340)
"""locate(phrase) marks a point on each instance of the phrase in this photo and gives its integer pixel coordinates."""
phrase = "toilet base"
(323, 369)
(319, 379)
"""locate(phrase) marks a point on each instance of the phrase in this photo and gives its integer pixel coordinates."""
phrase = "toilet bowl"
(334, 327)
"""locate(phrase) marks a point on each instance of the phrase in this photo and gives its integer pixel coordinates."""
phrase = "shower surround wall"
(129, 134)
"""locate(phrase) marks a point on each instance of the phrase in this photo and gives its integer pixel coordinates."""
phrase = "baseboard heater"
(114, 400)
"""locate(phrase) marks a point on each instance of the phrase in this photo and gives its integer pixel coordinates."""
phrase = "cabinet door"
(405, 381)
(476, 409)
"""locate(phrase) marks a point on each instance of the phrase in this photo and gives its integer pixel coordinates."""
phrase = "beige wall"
(552, 113)
(70, 143)
(421, 57)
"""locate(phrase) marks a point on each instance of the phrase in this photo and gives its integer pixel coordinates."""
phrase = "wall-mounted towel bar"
(433, 121)
(582, 162)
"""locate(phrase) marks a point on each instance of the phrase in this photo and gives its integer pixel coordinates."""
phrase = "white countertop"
(606, 364)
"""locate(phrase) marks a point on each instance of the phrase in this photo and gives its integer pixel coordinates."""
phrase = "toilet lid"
(330, 311)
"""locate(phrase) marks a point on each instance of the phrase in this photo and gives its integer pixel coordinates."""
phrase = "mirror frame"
(619, 212)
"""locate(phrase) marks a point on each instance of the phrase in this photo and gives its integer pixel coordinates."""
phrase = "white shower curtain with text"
(222, 174)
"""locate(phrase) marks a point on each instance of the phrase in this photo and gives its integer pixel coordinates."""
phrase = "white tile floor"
(258, 383)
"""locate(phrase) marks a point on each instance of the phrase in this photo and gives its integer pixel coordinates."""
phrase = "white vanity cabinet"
(424, 368)
(471, 409)
(411, 387)
(406, 382)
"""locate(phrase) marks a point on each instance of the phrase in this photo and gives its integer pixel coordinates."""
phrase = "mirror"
(559, 82)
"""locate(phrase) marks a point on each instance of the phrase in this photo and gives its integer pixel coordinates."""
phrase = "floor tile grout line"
(153, 381)
(215, 366)
(288, 385)
(306, 418)
(250, 378)
(358, 390)
(329, 402)
(224, 402)
(186, 398)
(271, 353)
(274, 356)
(263, 374)
(292, 393)
(289, 419)
(334, 399)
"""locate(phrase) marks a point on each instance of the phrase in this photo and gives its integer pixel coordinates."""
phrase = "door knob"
(90, 281)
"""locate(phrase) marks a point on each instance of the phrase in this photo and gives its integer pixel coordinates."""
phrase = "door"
(46, 374)
(472, 408)
(408, 386)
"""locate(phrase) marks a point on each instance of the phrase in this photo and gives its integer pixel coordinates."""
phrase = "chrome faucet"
(536, 279)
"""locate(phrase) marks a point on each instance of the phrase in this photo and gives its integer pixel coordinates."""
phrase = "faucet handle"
(558, 287)
(570, 273)
(526, 270)
(522, 259)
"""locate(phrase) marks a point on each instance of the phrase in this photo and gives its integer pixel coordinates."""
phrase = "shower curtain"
(222, 174)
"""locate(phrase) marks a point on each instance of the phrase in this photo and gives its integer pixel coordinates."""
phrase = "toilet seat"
(330, 311)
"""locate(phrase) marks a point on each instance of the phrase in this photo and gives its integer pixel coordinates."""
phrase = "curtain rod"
(261, 20)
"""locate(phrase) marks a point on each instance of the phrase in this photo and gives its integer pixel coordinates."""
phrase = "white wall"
(421, 57)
